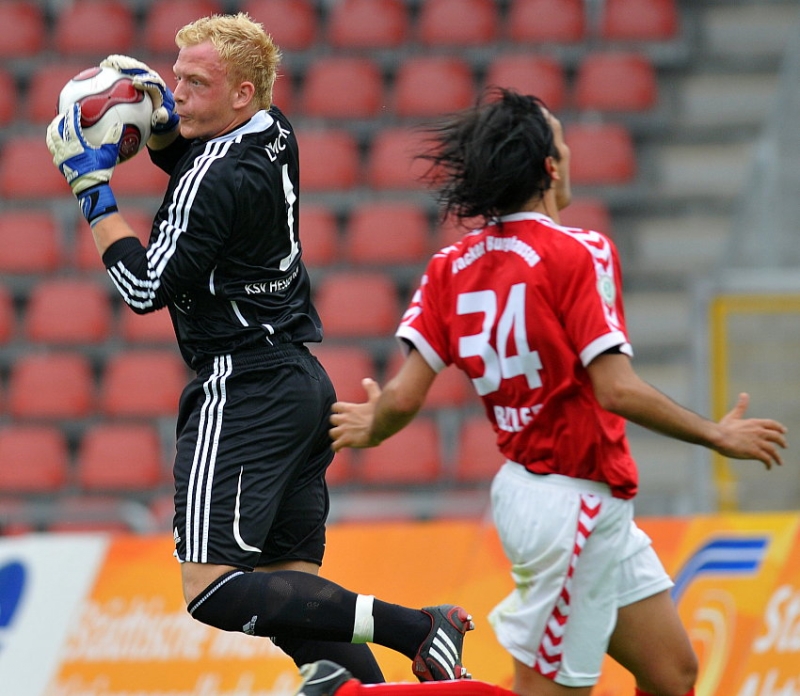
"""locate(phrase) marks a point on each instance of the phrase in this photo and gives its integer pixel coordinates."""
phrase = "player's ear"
(551, 165)
(243, 95)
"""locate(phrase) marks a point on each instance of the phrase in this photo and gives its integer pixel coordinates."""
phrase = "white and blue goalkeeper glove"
(86, 168)
(165, 121)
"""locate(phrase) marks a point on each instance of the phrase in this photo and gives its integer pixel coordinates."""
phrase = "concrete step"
(699, 173)
(725, 101)
(748, 32)
(658, 320)
(679, 246)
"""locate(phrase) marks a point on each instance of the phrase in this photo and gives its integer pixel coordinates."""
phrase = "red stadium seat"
(142, 383)
(23, 30)
(291, 23)
(546, 21)
(346, 365)
(357, 304)
(51, 385)
(589, 214)
(342, 87)
(30, 242)
(35, 459)
(120, 457)
(458, 22)
(9, 98)
(27, 171)
(164, 19)
(368, 24)
(433, 85)
(410, 457)
(8, 321)
(68, 311)
(391, 160)
(615, 81)
(154, 328)
(387, 233)
(539, 75)
(639, 20)
(451, 389)
(478, 458)
(319, 235)
(329, 159)
(139, 177)
(40, 102)
(94, 27)
(602, 154)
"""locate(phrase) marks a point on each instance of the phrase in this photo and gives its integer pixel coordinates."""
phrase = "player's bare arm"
(109, 230)
(620, 390)
(386, 410)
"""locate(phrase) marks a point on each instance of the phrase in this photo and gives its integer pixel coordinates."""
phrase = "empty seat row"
(116, 477)
(122, 456)
(146, 383)
(355, 87)
(603, 154)
(110, 456)
(32, 240)
(418, 456)
(77, 311)
(80, 310)
(62, 384)
(426, 86)
(94, 27)
(373, 233)
(331, 160)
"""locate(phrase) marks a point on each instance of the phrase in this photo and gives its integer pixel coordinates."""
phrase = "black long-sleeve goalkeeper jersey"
(224, 253)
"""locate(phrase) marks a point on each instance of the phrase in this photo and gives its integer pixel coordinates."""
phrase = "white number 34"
(498, 364)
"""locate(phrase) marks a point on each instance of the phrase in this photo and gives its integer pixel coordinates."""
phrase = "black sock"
(293, 604)
(285, 602)
(400, 628)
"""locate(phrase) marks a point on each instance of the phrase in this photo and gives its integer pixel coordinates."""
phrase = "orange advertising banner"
(737, 588)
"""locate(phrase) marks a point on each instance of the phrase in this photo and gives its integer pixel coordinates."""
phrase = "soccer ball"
(106, 97)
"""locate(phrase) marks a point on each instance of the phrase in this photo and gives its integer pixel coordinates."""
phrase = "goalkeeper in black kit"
(224, 258)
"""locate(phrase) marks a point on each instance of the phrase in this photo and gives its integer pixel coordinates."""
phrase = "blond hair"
(247, 51)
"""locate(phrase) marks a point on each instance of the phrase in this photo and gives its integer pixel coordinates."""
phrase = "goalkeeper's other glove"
(86, 168)
(164, 121)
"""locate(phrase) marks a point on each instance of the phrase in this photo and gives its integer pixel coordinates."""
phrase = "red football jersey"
(523, 306)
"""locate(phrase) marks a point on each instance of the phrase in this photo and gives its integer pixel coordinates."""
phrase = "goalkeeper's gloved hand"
(164, 121)
(86, 168)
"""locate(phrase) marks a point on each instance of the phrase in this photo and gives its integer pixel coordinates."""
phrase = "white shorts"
(577, 556)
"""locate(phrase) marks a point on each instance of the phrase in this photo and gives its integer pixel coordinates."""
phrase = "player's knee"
(216, 605)
(678, 680)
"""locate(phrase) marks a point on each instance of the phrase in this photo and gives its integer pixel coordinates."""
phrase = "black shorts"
(252, 450)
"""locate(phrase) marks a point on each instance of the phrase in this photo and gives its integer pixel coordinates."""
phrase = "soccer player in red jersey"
(532, 312)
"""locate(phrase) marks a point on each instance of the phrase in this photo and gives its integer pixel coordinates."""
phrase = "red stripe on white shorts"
(550, 652)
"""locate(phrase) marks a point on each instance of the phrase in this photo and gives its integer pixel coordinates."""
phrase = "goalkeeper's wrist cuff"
(97, 202)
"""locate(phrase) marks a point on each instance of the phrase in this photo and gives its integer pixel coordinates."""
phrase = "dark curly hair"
(489, 160)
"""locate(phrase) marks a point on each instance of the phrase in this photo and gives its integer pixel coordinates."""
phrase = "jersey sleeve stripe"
(603, 343)
(426, 350)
